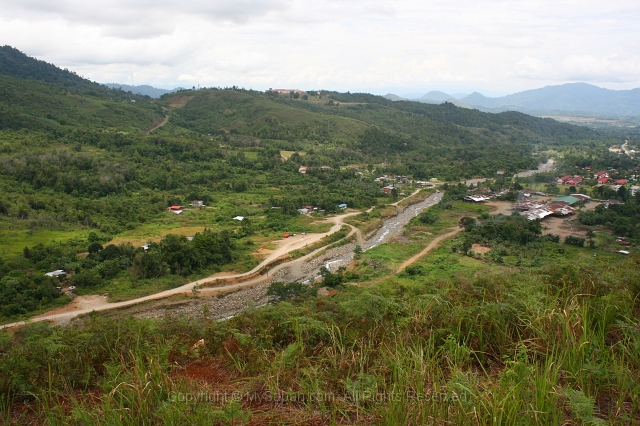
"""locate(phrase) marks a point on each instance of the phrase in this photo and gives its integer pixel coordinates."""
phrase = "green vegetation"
(497, 325)
(542, 347)
(622, 219)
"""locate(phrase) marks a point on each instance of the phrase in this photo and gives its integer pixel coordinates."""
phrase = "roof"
(240, 218)
(581, 197)
(55, 273)
(568, 199)
(603, 172)
(476, 198)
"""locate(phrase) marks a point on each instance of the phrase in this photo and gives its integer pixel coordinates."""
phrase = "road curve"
(433, 244)
(253, 276)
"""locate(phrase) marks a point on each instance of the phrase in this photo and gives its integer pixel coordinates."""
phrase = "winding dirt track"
(433, 244)
(160, 124)
(223, 282)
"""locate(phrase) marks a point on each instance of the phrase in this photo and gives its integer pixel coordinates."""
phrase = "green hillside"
(33, 105)
(78, 168)
(14, 63)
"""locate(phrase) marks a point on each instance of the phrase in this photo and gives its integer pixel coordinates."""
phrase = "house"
(174, 208)
(563, 179)
(303, 170)
(197, 203)
(602, 174)
(476, 198)
(587, 168)
(581, 197)
(621, 181)
(303, 211)
(634, 190)
(388, 189)
(56, 273)
(325, 168)
(603, 180)
(529, 205)
(287, 91)
(537, 214)
(570, 200)
(577, 180)
(342, 206)
(500, 175)
(239, 218)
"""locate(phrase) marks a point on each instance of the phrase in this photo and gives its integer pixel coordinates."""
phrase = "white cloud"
(613, 68)
(342, 44)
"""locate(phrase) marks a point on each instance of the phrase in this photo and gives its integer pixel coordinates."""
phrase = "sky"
(495, 47)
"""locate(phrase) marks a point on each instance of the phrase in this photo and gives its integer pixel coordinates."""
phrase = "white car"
(73, 287)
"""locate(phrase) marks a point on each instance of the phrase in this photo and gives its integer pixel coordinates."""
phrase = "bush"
(280, 291)
(574, 241)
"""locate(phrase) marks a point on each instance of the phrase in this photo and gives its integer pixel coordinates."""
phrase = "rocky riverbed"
(304, 271)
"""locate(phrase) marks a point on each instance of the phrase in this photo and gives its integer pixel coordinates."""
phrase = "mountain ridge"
(143, 89)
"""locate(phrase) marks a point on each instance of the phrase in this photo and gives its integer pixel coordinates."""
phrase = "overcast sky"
(493, 46)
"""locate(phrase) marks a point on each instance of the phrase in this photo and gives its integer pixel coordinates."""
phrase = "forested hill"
(14, 63)
(411, 138)
(416, 139)
(448, 112)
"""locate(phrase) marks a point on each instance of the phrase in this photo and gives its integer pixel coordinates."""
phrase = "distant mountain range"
(144, 90)
(572, 99)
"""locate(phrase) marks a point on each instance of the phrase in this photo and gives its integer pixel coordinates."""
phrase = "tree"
(468, 223)
(94, 247)
(280, 291)
(552, 188)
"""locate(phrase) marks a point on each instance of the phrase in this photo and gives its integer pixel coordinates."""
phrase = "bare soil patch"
(563, 227)
(180, 101)
(78, 303)
(480, 248)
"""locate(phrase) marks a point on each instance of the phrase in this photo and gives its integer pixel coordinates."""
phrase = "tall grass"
(543, 347)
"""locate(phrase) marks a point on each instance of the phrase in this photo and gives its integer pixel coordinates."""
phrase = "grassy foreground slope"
(556, 343)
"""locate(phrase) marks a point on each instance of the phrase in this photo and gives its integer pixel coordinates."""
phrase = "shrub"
(574, 241)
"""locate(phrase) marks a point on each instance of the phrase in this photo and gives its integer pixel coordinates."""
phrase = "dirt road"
(160, 124)
(177, 102)
(433, 244)
(86, 304)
